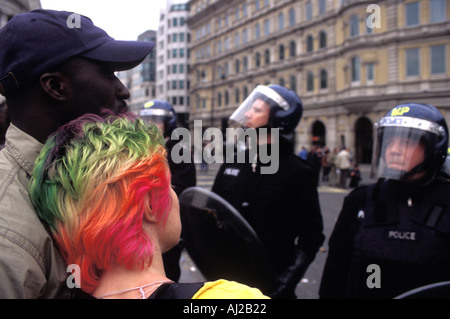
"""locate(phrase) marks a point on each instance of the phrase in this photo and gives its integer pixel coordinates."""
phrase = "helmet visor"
(402, 145)
(255, 111)
(155, 115)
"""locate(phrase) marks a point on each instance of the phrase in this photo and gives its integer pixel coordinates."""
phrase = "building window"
(322, 6)
(237, 97)
(293, 83)
(322, 39)
(266, 27)
(292, 49)
(412, 62)
(412, 13)
(437, 10)
(354, 26)
(370, 72)
(257, 6)
(281, 21)
(308, 10)
(219, 99)
(356, 69)
(257, 31)
(438, 59)
(227, 98)
(310, 82)
(236, 40)
(281, 51)
(237, 65)
(323, 79)
(291, 17)
(309, 43)
(267, 56)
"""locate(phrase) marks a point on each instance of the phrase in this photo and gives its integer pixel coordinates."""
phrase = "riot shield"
(440, 290)
(221, 242)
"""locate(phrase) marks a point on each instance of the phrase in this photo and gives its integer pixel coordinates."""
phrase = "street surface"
(331, 199)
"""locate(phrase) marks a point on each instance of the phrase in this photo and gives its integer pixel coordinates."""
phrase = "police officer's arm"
(337, 266)
(309, 224)
(308, 216)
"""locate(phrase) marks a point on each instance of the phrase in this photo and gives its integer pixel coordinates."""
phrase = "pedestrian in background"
(355, 176)
(50, 74)
(394, 235)
(343, 164)
(333, 176)
(283, 207)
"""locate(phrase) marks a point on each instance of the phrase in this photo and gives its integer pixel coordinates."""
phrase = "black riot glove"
(291, 276)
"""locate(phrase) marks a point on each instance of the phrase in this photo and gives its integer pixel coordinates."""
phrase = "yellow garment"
(224, 289)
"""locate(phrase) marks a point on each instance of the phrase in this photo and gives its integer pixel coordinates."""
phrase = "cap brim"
(124, 55)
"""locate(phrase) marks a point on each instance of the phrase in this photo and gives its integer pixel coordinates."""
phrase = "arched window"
(219, 99)
(323, 79)
(266, 27)
(309, 43)
(292, 49)
(237, 96)
(310, 81)
(281, 21)
(291, 17)
(257, 59)
(281, 51)
(267, 56)
(293, 83)
(322, 39)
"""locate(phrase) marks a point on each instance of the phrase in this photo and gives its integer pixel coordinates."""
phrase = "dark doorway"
(318, 133)
(363, 140)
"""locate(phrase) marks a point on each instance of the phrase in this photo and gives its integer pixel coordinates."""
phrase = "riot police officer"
(394, 236)
(164, 116)
(282, 206)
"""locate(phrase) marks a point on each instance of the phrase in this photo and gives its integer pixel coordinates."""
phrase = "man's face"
(95, 88)
(258, 115)
(403, 154)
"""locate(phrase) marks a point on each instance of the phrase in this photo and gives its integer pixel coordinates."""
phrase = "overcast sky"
(121, 19)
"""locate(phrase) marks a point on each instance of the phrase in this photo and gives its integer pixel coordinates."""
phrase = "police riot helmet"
(285, 108)
(159, 111)
(411, 142)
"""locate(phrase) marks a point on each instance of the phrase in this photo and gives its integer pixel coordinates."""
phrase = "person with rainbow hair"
(102, 184)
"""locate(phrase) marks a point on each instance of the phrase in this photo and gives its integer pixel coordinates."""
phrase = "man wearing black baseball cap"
(51, 72)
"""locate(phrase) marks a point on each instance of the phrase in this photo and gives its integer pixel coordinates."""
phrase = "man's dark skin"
(76, 87)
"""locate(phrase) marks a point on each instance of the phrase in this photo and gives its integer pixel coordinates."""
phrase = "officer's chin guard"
(221, 242)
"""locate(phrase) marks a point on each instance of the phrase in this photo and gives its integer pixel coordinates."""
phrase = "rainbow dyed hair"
(92, 183)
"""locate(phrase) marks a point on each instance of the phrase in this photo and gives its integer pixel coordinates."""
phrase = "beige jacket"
(30, 264)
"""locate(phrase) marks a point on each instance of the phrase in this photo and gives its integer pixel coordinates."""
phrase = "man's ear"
(55, 85)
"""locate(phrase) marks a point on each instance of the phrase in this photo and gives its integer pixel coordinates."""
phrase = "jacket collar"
(23, 147)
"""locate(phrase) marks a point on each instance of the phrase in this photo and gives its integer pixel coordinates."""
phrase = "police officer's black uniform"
(283, 208)
(392, 236)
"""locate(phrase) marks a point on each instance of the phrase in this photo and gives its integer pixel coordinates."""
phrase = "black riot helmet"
(286, 107)
(160, 112)
(411, 143)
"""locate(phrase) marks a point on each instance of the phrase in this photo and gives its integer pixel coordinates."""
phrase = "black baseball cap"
(35, 42)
